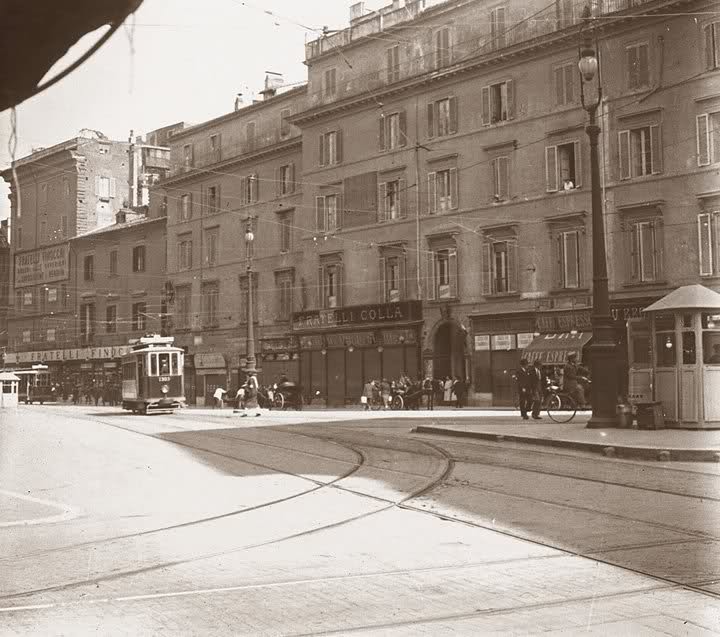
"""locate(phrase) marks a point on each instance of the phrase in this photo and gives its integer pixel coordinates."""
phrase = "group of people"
(427, 391)
(246, 397)
(532, 383)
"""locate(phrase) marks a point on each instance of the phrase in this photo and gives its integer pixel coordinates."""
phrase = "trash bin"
(650, 415)
(624, 416)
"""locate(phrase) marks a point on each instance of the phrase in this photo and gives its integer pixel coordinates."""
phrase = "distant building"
(5, 275)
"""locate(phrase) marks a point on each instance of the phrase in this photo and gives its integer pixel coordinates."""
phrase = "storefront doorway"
(449, 351)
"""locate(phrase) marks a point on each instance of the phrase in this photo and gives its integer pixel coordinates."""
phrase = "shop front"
(341, 349)
(279, 355)
(210, 373)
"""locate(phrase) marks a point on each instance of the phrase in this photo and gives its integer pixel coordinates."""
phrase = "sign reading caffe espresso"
(358, 315)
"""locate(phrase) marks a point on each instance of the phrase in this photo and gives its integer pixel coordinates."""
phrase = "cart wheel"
(397, 402)
(376, 403)
(279, 400)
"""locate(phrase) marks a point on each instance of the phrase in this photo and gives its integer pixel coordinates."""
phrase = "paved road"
(207, 523)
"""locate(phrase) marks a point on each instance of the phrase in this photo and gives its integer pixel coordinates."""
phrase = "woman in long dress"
(447, 390)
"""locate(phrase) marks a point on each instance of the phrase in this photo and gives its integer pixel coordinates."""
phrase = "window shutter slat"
(292, 177)
(624, 153)
(551, 178)
(656, 149)
(453, 107)
(383, 280)
(485, 105)
(403, 128)
(432, 193)
(510, 91)
(430, 278)
(634, 253)
(339, 144)
(321, 150)
(320, 213)
(703, 140)
(578, 163)
(382, 205)
(381, 132)
(487, 280)
(453, 272)
(513, 266)
(402, 198)
(454, 201)
(431, 119)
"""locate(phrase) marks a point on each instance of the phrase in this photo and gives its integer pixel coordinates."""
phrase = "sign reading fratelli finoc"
(42, 266)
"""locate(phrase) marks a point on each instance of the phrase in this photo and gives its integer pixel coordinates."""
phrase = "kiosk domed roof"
(688, 297)
(8, 376)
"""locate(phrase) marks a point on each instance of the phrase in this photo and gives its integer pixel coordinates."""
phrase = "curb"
(660, 454)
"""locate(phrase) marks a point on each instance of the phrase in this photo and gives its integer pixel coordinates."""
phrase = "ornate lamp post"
(602, 351)
(250, 361)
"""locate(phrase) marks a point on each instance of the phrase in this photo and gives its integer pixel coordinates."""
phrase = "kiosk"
(8, 390)
(685, 356)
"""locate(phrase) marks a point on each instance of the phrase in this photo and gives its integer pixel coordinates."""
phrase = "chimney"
(273, 81)
(238, 101)
(357, 11)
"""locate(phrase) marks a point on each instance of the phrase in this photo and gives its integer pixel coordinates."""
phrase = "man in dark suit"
(525, 384)
(538, 390)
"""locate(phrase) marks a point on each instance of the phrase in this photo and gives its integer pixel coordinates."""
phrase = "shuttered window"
(442, 117)
(708, 138)
(442, 273)
(392, 200)
(498, 102)
(712, 46)
(330, 148)
(500, 172)
(497, 28)
(640, 152)
(327, 212)
(442, 190)
(392, 131)
(564, 84)
(562, 167)
(442, 51)
(709, 243)
(392, 68)
(637, 65)
(645, 250)
(500, 266)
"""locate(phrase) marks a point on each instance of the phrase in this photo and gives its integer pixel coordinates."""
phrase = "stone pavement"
(663, 445)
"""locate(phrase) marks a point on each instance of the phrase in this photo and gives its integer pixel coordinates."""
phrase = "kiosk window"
(711, 338)
(688, 343)
(665, 346)
(7, 388)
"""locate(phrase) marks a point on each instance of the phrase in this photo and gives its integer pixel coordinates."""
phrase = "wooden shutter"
(340, 213)
(402, 117)
(383, 280)
(634, 252)
(432, 193)
(243, 190)
(431, 119)
(485, 105)
(558, 272)
(320, 213)
(513, 266)
(382, 203)
(190, 206)
(487, 278)
(705, 247)
(292, 176)
(659, 244)
(402, 198)
(656, 149)
(322, 299)
(504, 177)
(321, 151)
(551, 173)
(624, 153)
(256, 187)
(218, 203)
(453, 272)
(381, 132)
(577, 151)
(278, 181)
(453, 108)
(498, 24)
(708, 46)
(340, 275)
(703, 140)
(431, 287)
(453, 188)
(510, 91)
(339, 146)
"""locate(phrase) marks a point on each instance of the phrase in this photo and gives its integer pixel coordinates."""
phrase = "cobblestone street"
(204, 523)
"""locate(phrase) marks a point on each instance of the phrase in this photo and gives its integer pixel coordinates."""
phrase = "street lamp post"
(603, 348)
(250, 362)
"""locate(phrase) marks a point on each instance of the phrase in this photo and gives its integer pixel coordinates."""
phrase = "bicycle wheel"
(376, 403)
(561, 408)
(397, 402)
(279, 400)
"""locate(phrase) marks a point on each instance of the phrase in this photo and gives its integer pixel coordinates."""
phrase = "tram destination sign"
(358, 316)
(47, 265)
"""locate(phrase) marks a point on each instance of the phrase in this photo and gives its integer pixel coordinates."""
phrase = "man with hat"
(571, 385)
(525, 383)
(538, 391)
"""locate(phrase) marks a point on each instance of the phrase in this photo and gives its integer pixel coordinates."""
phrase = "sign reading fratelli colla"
(358, 315)
(42, 266)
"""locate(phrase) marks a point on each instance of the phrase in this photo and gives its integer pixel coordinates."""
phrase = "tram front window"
(174, 363)
(153, 365)
(164, 364)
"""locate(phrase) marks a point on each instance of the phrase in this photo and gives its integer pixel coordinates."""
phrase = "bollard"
(624, 416)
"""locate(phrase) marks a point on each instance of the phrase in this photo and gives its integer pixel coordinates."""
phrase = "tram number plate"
(164, 379)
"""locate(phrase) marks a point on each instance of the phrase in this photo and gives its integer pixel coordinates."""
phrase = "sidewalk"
(664, 445)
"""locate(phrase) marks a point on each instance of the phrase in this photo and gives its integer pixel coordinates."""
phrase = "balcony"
(523, 28)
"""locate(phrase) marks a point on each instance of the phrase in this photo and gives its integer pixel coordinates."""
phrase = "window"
(286, 179)
(89, 268)
(637, 65)
(213, 199)
(564, 78)
(568, 254)
(564, 13)
(111, 319)
(182, 307)
(709, 243)
(187, 156)
(392, 130)
(497, 28)
(442, 271)
(330, 148)
(562, 167)
(214, 143)
(442, 51)
(250, 189)
(392, 269)
(139, 316)
(644, 251)
(442, 117)
(138, 259)
(284, 291)
(26, 336)
(392, 66)
(27, 299)
(442, 190)
(498, 102)
(113, 263)
(50, 335)
(184, 249)
(212, 237)
(285, 221)
(185, 206)
(391, 200)
(284, 124)
(500, 170)
(52, 295)
(640, 152)
(103, 187)
(712, 46)
(330, 82)
(326, 213)
(500, 266)
(708, 138)
(87, 322)
(331, 284)
(211, 304)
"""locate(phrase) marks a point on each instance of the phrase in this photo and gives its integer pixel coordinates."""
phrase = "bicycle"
(559, 406)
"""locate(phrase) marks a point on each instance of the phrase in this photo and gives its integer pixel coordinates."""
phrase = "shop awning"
(553, 349)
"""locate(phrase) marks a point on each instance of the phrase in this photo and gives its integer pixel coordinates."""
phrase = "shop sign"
(358, 315)
(523, 340)
(503, 342)
(10, 358)
(399, 337)
(482, 342)
(78, 354)
(356, 339)
(42, 266)
(209, 361)
(282, 344)
(311, 342)
(582, 320)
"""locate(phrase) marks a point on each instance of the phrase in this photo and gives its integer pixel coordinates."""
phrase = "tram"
(152, 375)
(35, 385)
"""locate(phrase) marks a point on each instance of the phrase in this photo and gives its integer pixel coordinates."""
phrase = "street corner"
(22, 509)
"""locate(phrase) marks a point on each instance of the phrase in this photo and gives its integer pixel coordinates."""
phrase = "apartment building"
(446, 174)
(238, 169)
(5, 274)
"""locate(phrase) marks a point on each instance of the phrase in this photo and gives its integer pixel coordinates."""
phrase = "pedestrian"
(218, 396)
(251, 394)
(429, 393)
(525, 387)
(367, 394)
(572, 385)
(240, 398)
(447, 390)
(385, 393)
(539, 382)
(461, 390)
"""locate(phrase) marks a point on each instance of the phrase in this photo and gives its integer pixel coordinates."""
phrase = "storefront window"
(711, 338)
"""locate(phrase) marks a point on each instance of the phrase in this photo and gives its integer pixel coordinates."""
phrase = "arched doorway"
(449, 351)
